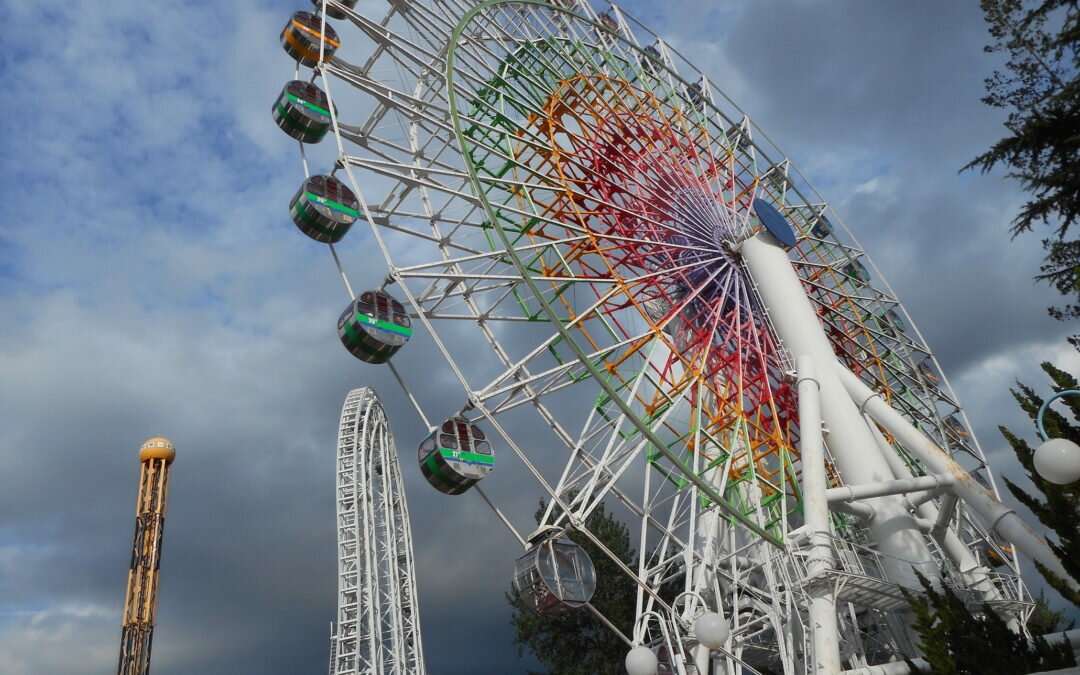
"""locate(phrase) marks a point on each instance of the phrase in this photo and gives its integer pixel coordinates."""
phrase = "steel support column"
(849, 438)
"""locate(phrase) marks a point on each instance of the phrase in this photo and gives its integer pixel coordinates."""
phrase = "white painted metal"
(816, 511)
(974, 573)
(849, 438)
(378, 624)
(997, 516)
(893, 668)
(405, 165)
(899, 486)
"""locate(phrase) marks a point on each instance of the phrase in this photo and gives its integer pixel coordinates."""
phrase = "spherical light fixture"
(1058, 461)
(711, 630)
(641, 661)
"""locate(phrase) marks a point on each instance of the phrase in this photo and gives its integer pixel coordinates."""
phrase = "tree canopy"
(1058, 508)
(956, 641)
(577, 643)
(1040, 88)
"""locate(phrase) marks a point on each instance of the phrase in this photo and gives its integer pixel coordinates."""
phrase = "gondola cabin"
(822, 227)
(334, 12)
(926, 370)
(659, 305)
(554, 575)
(609, 22)
(374, 326)
(656, 307)
(953, 424)
(650, 60)
(302, 38)
(666, 665)
(998, 555)
(456, 456)
(857, 271)
(695, 95)
(881, 320)
(324, 209)
(558, 17)
(302, 111)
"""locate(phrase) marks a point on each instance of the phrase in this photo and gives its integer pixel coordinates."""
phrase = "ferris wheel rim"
(452, 354)
(553, 317)
(386, 254)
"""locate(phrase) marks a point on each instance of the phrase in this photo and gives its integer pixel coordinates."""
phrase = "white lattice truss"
(378, 627)
(756, 561)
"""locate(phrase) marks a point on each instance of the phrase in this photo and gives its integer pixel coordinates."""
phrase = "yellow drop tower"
(140, 601)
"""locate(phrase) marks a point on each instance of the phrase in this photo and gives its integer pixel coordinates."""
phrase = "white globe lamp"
(711, 630)
(1058, 461)
(641, 661)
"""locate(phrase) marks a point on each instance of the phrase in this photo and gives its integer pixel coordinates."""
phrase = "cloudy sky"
(151, 283)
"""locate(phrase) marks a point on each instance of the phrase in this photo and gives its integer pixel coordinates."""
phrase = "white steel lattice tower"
(378, 628)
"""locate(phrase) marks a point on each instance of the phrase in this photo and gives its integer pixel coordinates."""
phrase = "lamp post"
(1057, 460)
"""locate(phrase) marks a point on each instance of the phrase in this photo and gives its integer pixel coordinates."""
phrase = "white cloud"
(151, 283)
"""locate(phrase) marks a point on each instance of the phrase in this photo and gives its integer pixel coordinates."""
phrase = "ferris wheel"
(605, 250)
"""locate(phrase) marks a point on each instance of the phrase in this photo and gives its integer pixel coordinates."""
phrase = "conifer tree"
(1040, 88)
(955, 641)
(576, 642)
(1058, 507)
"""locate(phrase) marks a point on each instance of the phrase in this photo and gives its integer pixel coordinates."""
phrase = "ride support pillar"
(848, 436)
(816, 512)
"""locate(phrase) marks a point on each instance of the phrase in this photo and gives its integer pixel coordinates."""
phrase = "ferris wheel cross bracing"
(590, 200)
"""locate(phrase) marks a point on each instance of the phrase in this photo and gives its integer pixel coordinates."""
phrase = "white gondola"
(555, 575)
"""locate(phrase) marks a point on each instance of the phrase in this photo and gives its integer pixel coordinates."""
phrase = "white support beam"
(816, 511)
(997, 516)
(851, 493)
(958, 552)
(917, 499)
(948, 506)
(894, 668)
(849, 438)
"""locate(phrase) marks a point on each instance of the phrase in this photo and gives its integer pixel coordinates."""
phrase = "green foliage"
(956, 642)
(577, 643)
(1058, 508)
(1044, 620)
(1040, 87)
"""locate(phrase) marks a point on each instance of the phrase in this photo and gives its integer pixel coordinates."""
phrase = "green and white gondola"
(324, 209)
(302, 111)
(374, 327)
(456, 456)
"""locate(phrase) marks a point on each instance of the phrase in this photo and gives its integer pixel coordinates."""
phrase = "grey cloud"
(156, 286)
